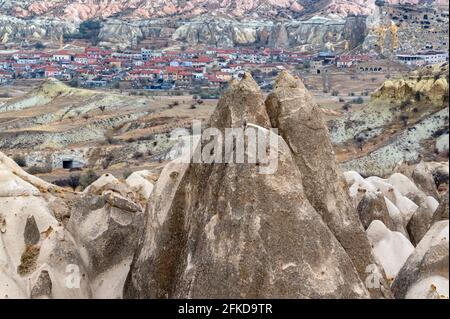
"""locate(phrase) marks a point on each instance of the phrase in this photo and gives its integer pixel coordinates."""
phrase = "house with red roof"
(51, 71)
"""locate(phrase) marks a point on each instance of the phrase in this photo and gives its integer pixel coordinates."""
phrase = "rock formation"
(232, 232)
(405, 121)
(87, 254)
(425, 273)
(390, 247)
(292, 110)
(284, 223)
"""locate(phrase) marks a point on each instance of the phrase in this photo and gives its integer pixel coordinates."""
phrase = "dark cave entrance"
(68, 164)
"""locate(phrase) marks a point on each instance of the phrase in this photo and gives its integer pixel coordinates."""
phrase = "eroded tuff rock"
(390, 247)
(425, 273)
(292, 110)
(228, 231)
(42, 258)
(373, 207)
(441, 212)
(32, 241)
(423, 177)
(421, 99)
(421, 220)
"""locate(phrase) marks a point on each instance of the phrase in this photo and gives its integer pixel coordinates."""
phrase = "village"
(188, 69)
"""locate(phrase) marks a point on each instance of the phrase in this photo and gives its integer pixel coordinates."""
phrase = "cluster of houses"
(165, 70)
(149, 69)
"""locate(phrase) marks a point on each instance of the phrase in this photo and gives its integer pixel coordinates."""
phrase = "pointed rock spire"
(299, 120)
(242, 103)
(230, 232)
(43, 286)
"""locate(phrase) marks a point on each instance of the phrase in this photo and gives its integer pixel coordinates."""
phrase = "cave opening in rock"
(67, 164)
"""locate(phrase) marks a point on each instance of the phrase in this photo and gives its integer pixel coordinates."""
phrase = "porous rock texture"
(48, 252)
(411, 239)
(425, 273)
(231, 232)
(292, 110)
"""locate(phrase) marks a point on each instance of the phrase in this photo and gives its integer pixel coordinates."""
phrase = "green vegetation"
(88, 178)
(34, 170)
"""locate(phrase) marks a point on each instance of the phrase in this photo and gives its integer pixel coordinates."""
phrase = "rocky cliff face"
(316, 33)
(14, 29)
(210, 22)
(75, 10)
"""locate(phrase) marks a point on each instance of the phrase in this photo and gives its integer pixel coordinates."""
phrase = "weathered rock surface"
(391, 248)
(314, 33)
(423, 176)
(141, 183)
(373, 207)
(138, 9)
(293, 111)
(425, 273)
(42, 258)
(399, 207)
(421, 220)
(230, 231)
(441, 212)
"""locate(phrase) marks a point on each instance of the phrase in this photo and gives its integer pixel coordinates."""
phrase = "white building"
(146, 54)
(421, 58)
(62, 56)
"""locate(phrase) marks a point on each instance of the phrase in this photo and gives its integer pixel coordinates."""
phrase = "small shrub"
(87, 179)
(138, 155)
(34, 170)
(404, 119)
(358, 100)
(126, 174)
(335, 93)
(346, 106)
(74, 181)
(418, 96)
(404, 104)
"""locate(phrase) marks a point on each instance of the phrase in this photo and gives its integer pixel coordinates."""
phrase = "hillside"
(72, 10)
(98, 128)
(406, 120)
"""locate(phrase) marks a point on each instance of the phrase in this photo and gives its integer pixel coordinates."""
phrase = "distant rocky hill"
(137, 9)
(406, 121)
(208, 22)
(73, 10)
